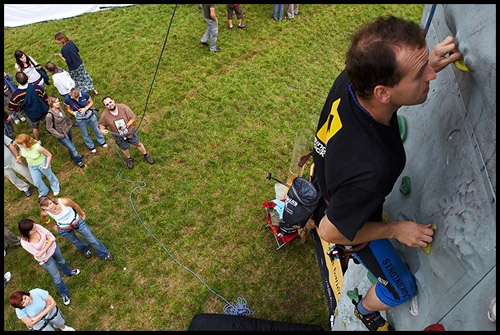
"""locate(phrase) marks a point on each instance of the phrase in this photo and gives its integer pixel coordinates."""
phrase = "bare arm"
(48, 307)
(438, 59)
(14, 151)
(212, 13)
(46, 219)
(47, 154)
(409, 233)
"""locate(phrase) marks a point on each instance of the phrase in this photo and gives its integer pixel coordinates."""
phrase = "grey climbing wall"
(451, 160)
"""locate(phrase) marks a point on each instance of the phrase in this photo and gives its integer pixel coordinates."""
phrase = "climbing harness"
(240, 307)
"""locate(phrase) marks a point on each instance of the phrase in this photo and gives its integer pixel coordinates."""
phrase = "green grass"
(215, 124)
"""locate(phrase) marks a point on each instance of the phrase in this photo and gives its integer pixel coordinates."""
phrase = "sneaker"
(373, 321)
(16, 121)
(204, 44)
(130, 163)
(88, 254)
(27, 193)
(109, 257)
(23, 119)
(80, 164)
(149, 159)
(68, 328)
(56, 194)
(216, 50)
(40, 142)
(66, 300)
(105, 145)
(74, 272)
(242, 26)
(93, 150)
(82, 157)
(6, 277)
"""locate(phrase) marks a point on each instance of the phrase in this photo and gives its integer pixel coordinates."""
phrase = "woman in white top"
(62, 80)
(70, 218)
(29, 66)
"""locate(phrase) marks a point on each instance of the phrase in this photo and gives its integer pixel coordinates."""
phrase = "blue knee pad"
(396, 284)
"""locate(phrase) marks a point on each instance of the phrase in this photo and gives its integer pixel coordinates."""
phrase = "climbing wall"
(451, 162)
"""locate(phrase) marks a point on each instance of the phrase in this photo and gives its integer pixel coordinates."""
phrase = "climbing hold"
(492, 310)
(353, 294)
(402, 127)
(434, 327)
(459, 64)
(427, 249)
(371, 278)
(405, 186)
(385, 217)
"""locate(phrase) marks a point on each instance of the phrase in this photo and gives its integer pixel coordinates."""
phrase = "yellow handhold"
(459, 64)
(385, 217)
(427, 249)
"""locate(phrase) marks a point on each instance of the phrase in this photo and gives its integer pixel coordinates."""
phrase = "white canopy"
(19, 15)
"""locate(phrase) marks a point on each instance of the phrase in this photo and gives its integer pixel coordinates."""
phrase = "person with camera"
(120, 119)
(80, 105)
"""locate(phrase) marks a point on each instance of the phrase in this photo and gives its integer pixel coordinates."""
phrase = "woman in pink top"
(40, 242)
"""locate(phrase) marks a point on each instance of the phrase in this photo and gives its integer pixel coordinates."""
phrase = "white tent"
(19, 15)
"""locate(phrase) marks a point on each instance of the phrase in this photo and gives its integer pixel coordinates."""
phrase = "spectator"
(213, 27)
(10, 237)
(70, 219)
(120, 119)
(41, 243)
(29, 66)
(62, 80)
(13, 163)
(79, 105)
(36, 309)
(76, 68)
(278, 12)
(59, 125)
(32, 99)
(38, 159)
(8, 88)
(239, 16)
(292, 11)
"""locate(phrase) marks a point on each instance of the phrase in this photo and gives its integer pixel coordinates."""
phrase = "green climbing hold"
(353, 294)
(402, 127)
(371, 278)
(405, 186)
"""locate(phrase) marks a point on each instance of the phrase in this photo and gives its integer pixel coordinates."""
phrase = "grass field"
(216, 124)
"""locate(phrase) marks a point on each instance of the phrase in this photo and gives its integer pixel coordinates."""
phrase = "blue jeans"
(86, 233)
(84, 129)
(278, 12)
(68, 143)
(57, 260)
(36, 174)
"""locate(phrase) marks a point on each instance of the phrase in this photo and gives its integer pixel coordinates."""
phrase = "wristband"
(17, 157)
(47, 221)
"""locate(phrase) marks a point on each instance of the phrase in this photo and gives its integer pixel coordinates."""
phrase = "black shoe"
(242, 26)
(80, 165)
(149, 159)
(204, 43)
(216, 50)
(82, 157)
(373, 321)
(27, 193)
(130, 163)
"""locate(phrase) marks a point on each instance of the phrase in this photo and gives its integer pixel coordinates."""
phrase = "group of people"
(37, 308)
(358, 123)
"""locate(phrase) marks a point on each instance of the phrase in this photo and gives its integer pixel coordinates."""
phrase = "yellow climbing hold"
(459, 64)
(427, 249)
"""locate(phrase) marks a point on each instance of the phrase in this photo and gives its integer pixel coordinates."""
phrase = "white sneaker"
(23, 118)
(56, 194)
(68, 328)
(7, 277)
(66, 300)
(94, 150)
(40, 141)
(16, 121)
(105, 145)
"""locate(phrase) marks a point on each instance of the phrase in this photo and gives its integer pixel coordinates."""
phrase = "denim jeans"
(36, 174)
(86, 233)
(278, 12)
(84, 129)
(51, 266)
(68, 143)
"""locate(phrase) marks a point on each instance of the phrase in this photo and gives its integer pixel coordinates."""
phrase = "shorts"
(36, 124)
(125, 144)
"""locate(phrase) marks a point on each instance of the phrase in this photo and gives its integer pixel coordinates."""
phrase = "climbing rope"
(231, 309)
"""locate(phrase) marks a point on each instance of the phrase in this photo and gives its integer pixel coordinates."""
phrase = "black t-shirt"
(357, 160)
